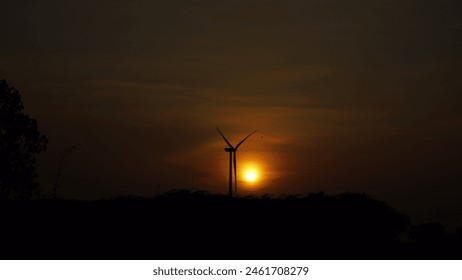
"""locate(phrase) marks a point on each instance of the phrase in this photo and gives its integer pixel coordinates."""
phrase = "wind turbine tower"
(232, 159)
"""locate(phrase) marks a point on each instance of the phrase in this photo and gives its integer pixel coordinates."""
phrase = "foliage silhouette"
(20, 142)
(182, 224)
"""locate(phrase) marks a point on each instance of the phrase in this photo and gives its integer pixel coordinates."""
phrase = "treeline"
(197, 225)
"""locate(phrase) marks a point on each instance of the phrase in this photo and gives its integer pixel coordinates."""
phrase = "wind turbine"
(232, 158)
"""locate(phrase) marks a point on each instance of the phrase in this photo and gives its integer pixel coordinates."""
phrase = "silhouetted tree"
(20, 142)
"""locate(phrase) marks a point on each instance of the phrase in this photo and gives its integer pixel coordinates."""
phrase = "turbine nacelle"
(230, 149)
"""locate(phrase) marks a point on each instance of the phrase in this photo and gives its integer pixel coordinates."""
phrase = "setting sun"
(251, 176)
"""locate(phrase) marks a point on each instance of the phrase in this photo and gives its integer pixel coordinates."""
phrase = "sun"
(251, 175)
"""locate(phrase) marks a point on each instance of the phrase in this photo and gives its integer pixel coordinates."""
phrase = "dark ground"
(197, 225)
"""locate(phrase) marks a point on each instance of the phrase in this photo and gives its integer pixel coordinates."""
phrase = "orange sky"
(345, 95)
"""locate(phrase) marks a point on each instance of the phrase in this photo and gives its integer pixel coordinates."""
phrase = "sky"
(360, 95)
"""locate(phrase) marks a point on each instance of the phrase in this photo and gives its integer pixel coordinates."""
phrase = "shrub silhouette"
(20, 142)
(185, 224)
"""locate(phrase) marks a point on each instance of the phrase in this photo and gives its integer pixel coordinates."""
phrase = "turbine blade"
(245, 139)
(227, 142)
(235, 174)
